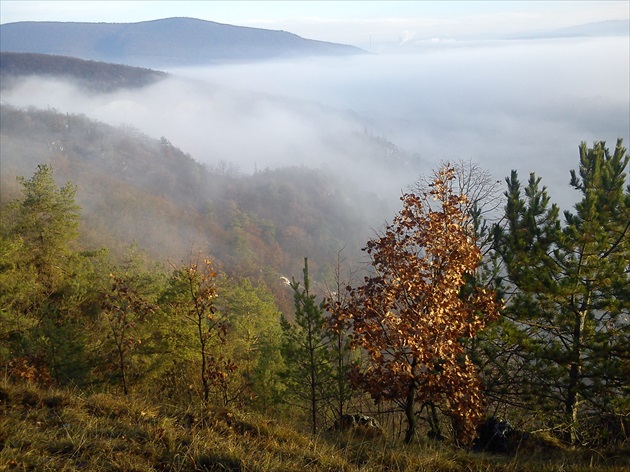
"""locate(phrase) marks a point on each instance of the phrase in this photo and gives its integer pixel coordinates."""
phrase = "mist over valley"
(522, 104)
(374, 123)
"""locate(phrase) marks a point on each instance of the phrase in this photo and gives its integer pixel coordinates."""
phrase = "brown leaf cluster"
(411, 316)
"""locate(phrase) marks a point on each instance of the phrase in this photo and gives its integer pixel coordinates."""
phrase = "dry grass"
(49, 430)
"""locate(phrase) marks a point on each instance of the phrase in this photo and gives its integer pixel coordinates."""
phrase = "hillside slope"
(98, 76)
(136, 189)
(161, 43)
(61, 430)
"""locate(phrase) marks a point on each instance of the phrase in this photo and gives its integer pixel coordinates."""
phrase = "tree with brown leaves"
(191, 295)
(412, 315)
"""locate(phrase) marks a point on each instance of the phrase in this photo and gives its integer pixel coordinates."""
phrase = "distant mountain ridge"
(92, 75)
(168, 42)
(596, 29)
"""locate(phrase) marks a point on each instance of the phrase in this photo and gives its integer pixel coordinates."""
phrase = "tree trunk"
(410, 414)
(434, 422)
(121, 364)
(312, 378)
(340, 378)
(575, 370)
(204, 367)
(313, 402)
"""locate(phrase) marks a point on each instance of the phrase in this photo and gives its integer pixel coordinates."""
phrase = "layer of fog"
(522, 105)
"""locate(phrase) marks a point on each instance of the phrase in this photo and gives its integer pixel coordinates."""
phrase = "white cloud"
(407, 36)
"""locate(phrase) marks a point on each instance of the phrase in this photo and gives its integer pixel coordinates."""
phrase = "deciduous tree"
(125, 310)
(411, 315)
(191, 299)
(341, 355)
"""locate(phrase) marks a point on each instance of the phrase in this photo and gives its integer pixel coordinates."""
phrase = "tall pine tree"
(569, 300)
(305, 350)
(50, 284)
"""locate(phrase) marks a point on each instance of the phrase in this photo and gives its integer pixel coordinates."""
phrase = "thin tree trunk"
(340, 380)
(313, 384)
(434, 422)
(121, 363)
(410, 414)
(575, 370)
(204, 368)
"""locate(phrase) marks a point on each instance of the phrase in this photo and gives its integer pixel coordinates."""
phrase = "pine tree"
(51, 283)
(253, 342)
(568, 284)
(47, 220)
(305, 350)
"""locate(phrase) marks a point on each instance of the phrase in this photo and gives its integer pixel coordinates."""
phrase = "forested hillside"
(132, 188)
(458, 323)
(97, 76)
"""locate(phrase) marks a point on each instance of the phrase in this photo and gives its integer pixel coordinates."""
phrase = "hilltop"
(162, 43)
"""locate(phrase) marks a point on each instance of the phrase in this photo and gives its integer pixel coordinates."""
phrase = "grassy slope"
(62, 430)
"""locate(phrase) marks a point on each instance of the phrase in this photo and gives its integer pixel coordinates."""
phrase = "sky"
(359, 23)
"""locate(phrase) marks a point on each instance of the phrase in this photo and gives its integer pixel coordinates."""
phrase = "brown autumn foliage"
(412, 315)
